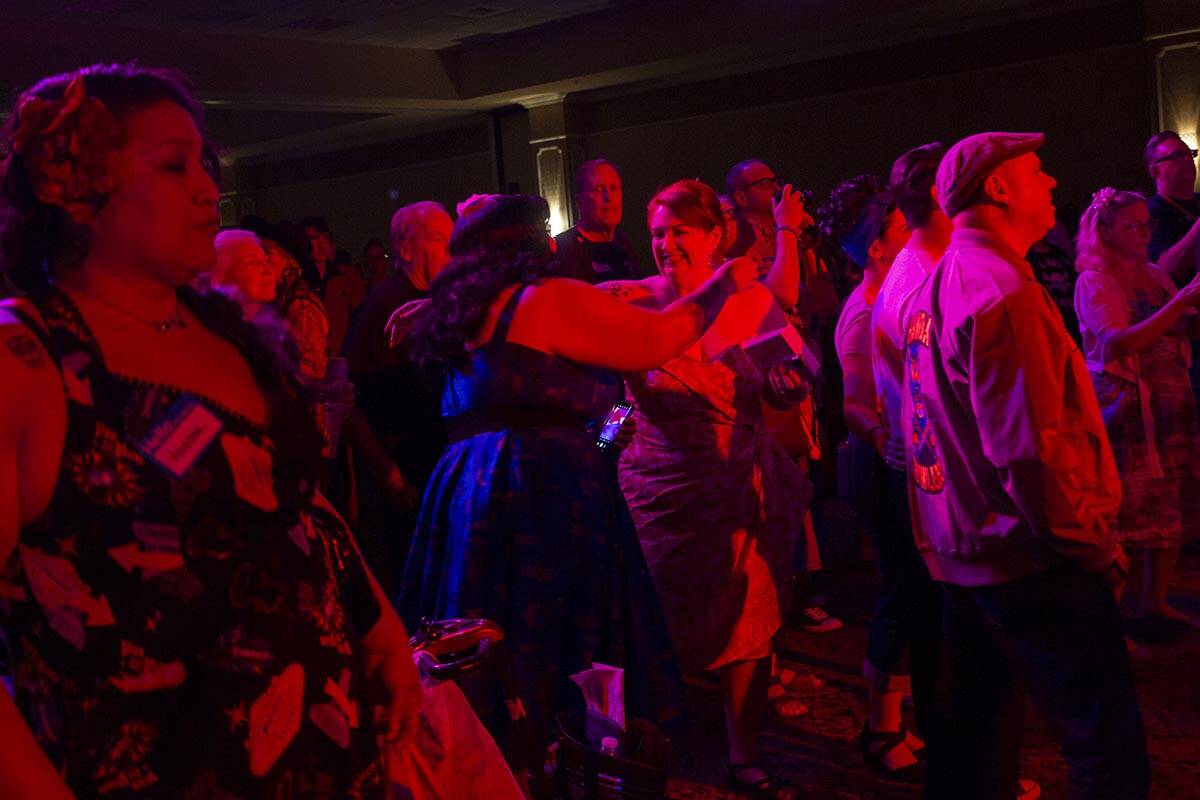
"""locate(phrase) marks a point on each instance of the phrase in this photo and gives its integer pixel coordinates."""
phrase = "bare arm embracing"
(589, 325)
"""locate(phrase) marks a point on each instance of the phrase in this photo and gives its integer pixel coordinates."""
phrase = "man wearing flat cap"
(1012, 481)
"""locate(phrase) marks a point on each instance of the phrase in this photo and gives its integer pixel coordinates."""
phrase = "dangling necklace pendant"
(167, 325)
(159, 326)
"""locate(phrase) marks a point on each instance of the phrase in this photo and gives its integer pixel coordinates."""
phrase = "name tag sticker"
(180, 436)
(253, 480)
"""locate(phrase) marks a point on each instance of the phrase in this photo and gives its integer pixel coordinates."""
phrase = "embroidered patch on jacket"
(927, 470)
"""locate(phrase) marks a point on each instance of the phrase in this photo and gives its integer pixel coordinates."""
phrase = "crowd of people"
(239, 467)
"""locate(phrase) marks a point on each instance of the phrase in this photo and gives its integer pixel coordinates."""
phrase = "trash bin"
(638, 773)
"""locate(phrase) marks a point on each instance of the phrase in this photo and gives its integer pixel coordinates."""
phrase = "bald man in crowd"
(397, 431)
(595, 251)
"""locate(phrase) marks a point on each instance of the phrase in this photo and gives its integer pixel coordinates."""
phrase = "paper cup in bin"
(638, 773)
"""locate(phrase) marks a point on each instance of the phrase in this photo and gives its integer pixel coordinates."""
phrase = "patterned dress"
(1160, 485)
(718, 506)
(184, 618)
(522, 523)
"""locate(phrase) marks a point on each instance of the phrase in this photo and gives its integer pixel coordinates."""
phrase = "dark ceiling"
(288, 77)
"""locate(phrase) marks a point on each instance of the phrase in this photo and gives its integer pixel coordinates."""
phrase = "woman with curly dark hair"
(862, 218)
(522, 522)
(187, 616)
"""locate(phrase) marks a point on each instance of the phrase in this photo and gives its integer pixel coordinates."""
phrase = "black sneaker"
(814, 620)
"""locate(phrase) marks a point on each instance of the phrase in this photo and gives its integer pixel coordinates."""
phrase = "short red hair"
(693, 201)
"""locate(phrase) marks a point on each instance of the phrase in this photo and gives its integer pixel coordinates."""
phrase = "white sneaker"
(814, 620)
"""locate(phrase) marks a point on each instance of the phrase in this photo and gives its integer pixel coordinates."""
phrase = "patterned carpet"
(819, 754)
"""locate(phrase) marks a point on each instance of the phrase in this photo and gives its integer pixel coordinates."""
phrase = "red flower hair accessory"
(71, 150)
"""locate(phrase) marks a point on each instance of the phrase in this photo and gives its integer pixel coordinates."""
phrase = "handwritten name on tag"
(180, 436)
(253, 480)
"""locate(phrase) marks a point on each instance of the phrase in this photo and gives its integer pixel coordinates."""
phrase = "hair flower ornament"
(1102, 197)
(70, 147)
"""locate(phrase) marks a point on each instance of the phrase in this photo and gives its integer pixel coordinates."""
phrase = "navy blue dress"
(523, 523)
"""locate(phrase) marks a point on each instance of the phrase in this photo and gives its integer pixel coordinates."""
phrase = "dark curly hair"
(505, 242)
(38, 238)
(838, 219)
(837, 215)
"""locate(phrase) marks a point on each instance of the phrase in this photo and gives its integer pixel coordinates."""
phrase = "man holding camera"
(772, 229)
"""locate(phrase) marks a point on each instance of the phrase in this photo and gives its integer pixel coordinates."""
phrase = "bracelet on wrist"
(794, 231)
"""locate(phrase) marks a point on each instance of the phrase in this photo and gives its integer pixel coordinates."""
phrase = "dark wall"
(358, 189)
(1085, 79)
(1094, 108)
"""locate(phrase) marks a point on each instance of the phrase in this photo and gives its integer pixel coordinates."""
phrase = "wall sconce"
(552, 182)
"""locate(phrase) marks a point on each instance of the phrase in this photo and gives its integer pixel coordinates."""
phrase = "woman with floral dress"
(1135, 327)
(187, 615)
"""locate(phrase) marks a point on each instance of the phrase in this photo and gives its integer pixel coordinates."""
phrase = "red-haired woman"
(187, 616)
(717, 502)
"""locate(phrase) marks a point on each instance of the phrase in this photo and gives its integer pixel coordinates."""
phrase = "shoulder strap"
(36, 327)
(500, 334)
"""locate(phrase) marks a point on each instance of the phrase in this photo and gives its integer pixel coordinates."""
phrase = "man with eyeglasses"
(1175, 205)
(771, 229)
(1175, 209)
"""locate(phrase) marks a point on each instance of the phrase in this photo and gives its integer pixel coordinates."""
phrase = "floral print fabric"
(184, 617)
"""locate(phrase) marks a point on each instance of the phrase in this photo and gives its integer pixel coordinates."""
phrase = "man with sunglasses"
(1175, 205)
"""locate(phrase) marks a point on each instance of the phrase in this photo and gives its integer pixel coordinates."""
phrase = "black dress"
(184, 618)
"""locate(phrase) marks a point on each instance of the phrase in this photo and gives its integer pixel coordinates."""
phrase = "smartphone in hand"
(612, 424)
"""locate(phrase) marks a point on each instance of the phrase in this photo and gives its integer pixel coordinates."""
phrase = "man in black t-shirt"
(396, 431)
(1175, 208)
(1053, 262)
(1175, 205)
(594, 251)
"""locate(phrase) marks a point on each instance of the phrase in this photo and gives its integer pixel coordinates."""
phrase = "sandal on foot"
(876, 746)
(783, 705)
(769, 787)
(1137, 652)
(913, 742)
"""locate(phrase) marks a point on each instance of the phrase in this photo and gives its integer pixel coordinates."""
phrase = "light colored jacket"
(1010, 467)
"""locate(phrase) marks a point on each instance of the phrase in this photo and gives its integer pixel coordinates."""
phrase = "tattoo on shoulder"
(624, 290)
(26, 348)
